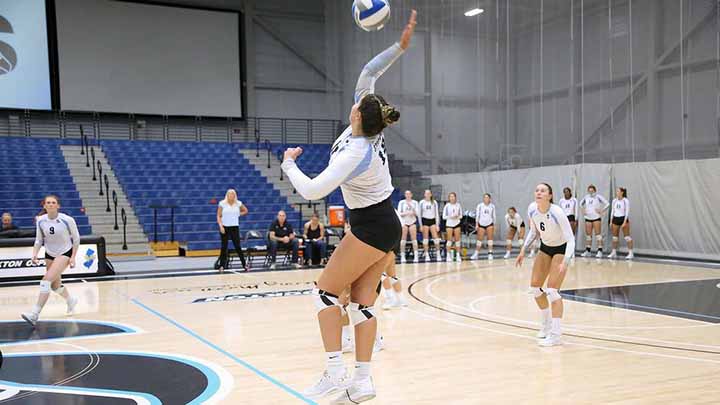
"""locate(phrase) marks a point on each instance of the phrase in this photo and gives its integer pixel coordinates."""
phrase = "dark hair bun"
(393, 116)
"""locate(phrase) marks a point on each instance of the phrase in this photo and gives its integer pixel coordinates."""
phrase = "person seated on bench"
(282, 236)
(314, 235)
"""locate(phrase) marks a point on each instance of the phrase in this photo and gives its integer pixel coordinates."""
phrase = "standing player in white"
(620, 213)
(569, 205)
(516, 225)
(485, 226)
(452, 214)
(430, 217)
(557, 243)
(409, 213)
(358, 164)
(594, 206)
(59, 234)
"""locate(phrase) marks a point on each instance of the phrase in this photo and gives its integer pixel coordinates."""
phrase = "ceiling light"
(474, 12)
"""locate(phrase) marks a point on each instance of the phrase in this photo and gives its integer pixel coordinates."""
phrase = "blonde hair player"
(557, 243)
(516, 225)
(358, 164)
(228, 216)
(58, 233)
(452, 214)
(485, 218)
(620, 213)
(430, 217)
(594, 206)
(409, 214)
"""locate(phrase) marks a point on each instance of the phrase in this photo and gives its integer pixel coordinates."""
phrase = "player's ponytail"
(376, 114)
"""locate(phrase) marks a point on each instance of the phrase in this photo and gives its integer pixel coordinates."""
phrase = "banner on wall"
(17, 261)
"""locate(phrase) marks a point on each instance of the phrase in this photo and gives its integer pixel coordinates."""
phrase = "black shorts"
(67, 254)
(428, 222)
(515, 227)
(553, 250)
(485, 226)
(571, 218)
(593, 220)
(619, 221)
(453, 227)
(377, 225)
(408, 226)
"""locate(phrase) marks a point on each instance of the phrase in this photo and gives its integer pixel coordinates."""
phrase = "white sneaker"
(272, 266)
(490, 256)
(348, 345)
(474, 256)
(449, 257)
(612, 255)
(401, 301)
(359, 391)
(629, 256)
(30, 317)
(402, 259)
(71, 304)
(327, 385)
(507, 255)
(599, 254)
(427, 257)
(544, 331)
(388, 304)
(416, 258)
(586, 254)
(551, 340)
(458, 257)
(379, 344)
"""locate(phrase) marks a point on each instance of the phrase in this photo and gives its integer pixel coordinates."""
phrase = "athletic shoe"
(401, 301)
(297, 265)
(612, 255)
(474, 256)
(327, 385)
(359, 391)
(348, 345)
(551, 340)
(544, 331)
(599, 254)
(379, 345)
(586, 254)
(490, 256)
(416, 258)
(388, 304)
(507, 255)
(272, 266)
(71, 304)
(30, 317)
(629, 256)
(458, 257)
(402, 259)
(427, 257)
(438, 257)
(449, 257)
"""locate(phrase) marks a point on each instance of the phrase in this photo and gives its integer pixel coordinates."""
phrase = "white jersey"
(569, 206)
(485, 214)
(553, 226)
(358, 164)
(621, 207)
(452, 214)
(514, 221)
(57, 235)
(592, 204)
(408, 211)
(429, 209)
(230, 214)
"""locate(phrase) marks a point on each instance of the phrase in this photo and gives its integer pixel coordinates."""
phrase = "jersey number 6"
(542, 226)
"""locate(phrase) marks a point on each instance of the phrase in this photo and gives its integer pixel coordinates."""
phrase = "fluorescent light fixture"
(474, 12)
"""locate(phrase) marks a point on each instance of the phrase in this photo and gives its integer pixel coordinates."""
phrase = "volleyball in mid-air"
(371, 15)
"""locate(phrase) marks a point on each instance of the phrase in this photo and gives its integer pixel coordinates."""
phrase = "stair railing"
(124, 221)
(107, 193)
(99, 167)
(114, 194)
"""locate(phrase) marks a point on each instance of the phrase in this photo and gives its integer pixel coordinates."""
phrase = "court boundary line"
(224, 352)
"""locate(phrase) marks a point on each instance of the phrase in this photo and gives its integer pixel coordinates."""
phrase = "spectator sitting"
(314, 235)
(7, 224)
(282, 236)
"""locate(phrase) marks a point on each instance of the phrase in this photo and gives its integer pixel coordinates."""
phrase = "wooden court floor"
(467, 336)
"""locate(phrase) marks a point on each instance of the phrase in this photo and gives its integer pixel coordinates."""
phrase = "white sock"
(389, 294)
(426, 246)
(546, 316)
(402, 247)
(37, 309)
(556, 326)
(335, 365)
(362, 370)
(478, 246)
(347, 332)
(490, 246)
(415, 248)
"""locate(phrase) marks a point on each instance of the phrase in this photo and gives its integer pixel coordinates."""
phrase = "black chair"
(286, 253)
(254, 251)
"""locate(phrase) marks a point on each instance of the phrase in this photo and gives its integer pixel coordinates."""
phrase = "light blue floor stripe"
(226, 353)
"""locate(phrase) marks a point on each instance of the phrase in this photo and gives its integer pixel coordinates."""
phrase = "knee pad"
(426, 243)
(324, 300)
(598, 238)
(60, 290)
(383, 276)
(478, 244)
(490, 244)
(536, 291)
(45, 286)
(437, 242)
(588, 239)
(458, 244)
(508, 241)
(552, 294)
(360, 313)
(628, 239)
(615, 239)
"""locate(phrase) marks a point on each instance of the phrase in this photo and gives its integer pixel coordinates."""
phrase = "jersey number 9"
(52, 230)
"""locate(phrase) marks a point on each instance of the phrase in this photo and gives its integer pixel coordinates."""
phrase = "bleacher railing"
(66, 124)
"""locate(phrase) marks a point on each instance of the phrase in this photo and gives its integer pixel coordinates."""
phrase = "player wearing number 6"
(359, 166)
(557, 243)
(59, 234)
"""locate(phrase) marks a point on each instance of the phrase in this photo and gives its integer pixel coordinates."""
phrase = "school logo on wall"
(8, 56)
(90, 258)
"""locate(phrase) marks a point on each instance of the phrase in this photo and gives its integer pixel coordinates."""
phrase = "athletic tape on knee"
(360, 313)
(628, 239)
(324, 300)
(615, 239)
(45, 286)
(59, 290)
(598, 238)
(536, 291)
(552, 294)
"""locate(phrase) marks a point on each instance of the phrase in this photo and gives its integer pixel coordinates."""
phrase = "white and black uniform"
(620, 211)
(514, 222)
(556, 235)
(429, 212)
(58, 235)
(452, 210)
(590, 204)
(405, 207)
(485, 215)
(359, 166)
(570, 207)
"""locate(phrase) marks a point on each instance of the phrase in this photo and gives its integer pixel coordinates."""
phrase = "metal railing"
(67, 124)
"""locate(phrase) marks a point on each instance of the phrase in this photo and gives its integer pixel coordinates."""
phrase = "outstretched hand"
(408, 31)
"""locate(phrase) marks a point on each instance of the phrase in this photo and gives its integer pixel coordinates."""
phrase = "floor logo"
(8, 56)
(254, 296)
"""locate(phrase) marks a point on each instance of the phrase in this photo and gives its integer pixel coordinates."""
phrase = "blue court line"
(580, 298)
(226, 353)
